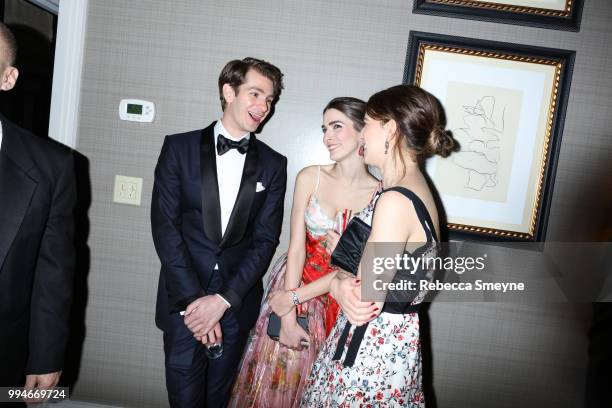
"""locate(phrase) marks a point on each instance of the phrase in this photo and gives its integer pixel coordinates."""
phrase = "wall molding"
(68, 67)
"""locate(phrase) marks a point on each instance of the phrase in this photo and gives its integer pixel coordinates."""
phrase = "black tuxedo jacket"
(186, 225)
(37, 198)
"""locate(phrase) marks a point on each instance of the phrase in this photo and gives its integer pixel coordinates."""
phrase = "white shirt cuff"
(222, 298)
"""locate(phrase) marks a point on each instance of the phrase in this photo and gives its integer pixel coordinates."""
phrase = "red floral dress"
(271, 375)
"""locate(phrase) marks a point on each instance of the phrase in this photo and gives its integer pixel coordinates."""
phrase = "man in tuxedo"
(37, 197)
(216, 217)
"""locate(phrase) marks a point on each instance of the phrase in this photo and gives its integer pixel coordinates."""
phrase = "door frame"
(67, 71)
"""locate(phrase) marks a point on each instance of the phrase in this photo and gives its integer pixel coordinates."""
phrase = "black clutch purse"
(349, 249)
(274, 324)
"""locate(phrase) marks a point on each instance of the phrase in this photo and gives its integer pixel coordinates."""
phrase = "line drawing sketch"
(485, 121)
(480, 139)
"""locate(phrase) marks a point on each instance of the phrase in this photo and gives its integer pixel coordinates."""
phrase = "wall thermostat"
(136, 110)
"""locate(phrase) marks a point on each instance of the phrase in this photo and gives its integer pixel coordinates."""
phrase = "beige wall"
(171, 52)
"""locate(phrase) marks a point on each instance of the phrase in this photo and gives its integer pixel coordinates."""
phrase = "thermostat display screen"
(135, 109)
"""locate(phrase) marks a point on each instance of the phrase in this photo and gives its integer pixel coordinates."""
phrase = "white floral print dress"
(385, 367)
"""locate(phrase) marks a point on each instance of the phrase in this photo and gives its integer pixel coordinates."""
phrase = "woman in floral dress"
(372, 357)
(272, 373)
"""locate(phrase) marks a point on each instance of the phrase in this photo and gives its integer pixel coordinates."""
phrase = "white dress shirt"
(229, 175)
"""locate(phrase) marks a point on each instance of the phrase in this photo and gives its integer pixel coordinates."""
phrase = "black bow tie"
(224, 145)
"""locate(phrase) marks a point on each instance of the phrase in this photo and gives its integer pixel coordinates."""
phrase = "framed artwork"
(505, 104)
(557, 14)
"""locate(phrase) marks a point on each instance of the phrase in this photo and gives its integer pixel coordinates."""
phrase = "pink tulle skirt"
(271, 375)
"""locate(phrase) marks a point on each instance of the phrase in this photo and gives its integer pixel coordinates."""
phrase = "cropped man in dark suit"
(216, 217)
(37, 196)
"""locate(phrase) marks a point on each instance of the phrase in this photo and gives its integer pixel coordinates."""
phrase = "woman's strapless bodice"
(317, 224)
(317, 262)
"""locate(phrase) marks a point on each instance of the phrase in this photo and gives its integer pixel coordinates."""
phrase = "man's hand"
(347, 292)
(203, 313)
(41, 382)
(215, 336)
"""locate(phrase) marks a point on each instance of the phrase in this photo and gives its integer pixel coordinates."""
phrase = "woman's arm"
(296, 254)
(281, 302)
(391, 227)
(291, 334)
(318, 287)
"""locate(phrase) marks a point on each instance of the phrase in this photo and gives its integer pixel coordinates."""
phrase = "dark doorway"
(29, 103)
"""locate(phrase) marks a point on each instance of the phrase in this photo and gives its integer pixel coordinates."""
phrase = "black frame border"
(565, 57)
(534, 19)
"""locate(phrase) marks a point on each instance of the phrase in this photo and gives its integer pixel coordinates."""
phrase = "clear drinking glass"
(213, 351)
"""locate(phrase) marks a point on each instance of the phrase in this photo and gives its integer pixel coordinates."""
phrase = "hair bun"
(442, 142)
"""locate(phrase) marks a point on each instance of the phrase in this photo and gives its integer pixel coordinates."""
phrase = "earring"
(386, 146)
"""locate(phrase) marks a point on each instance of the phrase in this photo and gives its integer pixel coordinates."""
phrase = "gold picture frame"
(556, 14)
(505, 104)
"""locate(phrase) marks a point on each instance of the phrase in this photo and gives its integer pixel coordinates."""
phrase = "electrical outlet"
(127, 190)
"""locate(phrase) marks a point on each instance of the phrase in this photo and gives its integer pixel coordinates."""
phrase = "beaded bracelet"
(294, 297)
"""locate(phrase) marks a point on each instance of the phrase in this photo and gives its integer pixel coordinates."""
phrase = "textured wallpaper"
(170, 52)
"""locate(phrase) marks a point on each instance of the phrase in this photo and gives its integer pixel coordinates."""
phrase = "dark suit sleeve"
(53, 279)
(182, 283)
(267, 229)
